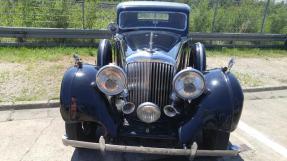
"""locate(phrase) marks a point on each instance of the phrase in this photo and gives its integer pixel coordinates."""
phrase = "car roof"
(153, 5)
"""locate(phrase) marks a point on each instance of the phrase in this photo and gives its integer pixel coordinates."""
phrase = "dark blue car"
(149, 91)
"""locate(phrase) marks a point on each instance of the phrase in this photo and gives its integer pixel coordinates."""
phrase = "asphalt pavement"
(35, 134)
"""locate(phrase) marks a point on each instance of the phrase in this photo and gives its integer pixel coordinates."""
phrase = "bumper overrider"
(192, 152)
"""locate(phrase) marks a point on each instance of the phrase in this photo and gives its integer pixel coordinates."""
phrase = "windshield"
(152, 19)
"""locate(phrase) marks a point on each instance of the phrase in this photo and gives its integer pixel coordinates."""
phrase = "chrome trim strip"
(154, 83)
(160, 85)
(119, 38)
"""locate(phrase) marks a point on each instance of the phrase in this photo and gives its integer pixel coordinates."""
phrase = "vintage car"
(149, 91)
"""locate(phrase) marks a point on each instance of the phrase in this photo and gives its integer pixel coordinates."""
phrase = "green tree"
(201, 17)
(277, 19)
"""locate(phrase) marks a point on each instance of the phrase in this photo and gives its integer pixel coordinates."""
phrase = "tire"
(85, 131)
(198, 57)
(215, 139)
(73, 130)
(104, 56)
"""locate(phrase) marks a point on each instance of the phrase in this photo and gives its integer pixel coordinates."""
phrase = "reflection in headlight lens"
(189, 83)
(111, 80)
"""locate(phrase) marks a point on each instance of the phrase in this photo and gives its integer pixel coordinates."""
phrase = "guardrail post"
(83, 11)
(83, 14)
(264, 16)
(214, 15)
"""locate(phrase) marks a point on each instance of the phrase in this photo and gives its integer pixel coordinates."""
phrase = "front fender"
(219, 109)
(238, 99)
(77, 84)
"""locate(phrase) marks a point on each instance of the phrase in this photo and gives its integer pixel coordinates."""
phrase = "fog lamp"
(148, 112)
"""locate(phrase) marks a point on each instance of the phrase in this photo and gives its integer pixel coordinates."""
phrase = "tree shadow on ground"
(95, 155)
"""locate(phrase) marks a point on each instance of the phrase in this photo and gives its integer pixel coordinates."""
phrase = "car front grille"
(149, 82)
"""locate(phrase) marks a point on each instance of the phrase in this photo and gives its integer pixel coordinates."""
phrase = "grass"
(247, 79)
(26, 55)
(248, 53)
(28, 74)
(30, 81)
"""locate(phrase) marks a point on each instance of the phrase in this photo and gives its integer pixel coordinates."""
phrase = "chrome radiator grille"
(149, 82)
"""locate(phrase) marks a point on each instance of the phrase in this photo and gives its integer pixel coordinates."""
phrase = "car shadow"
(95, 155)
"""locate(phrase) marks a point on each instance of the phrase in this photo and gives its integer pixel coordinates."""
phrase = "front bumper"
(192, 152)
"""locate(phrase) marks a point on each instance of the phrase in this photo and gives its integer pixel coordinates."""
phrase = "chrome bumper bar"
(192, 152)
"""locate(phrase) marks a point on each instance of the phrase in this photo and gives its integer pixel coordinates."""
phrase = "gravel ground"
(29, 81)
(35, 134)
(255, 71)
(40, 80)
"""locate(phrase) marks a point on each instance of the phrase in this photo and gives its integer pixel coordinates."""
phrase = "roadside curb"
(264, 88)
(29, 105)
(56, 103)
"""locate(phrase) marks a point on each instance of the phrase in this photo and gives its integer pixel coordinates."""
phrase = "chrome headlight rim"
(189, 70)
(124, 79)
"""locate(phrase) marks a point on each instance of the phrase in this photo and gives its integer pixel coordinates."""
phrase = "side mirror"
(229, 66)
(231, 63)
(113, 28)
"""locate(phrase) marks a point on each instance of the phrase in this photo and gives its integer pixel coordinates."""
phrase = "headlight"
(111, 79)
(189, 83)
(148, 112)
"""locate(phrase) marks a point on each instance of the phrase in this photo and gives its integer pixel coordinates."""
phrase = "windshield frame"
(150, 27)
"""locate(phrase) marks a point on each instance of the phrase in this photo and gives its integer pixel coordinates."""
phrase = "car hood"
(151, 44)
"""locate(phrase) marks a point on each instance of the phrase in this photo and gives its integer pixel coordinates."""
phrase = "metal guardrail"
(239, 37)
(55, 33)
(17, 32)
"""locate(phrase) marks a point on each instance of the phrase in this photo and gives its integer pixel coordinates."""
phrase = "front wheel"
(198, 57)
(104, 56)
(215, 139)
